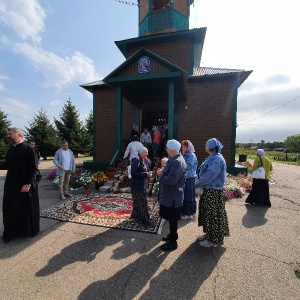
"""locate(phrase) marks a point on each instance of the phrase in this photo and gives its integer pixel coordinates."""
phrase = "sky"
(48, 48)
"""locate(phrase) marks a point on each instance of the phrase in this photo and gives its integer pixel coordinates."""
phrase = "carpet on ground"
(106, 210)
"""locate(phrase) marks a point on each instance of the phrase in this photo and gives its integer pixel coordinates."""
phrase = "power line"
(20, 117)
(269, 111)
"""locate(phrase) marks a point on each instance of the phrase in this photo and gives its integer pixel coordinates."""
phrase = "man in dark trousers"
(20, 200)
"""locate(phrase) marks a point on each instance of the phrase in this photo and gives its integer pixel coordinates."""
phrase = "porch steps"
(105, 188)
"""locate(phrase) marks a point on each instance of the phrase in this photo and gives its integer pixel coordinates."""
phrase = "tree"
(44, 134)
(292, 143)
(69, 128)
(88, 134)
(4, 125)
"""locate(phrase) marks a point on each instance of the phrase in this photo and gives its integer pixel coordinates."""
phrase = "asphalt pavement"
(74, 261)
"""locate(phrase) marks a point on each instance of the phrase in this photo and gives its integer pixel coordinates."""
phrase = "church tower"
(161, 16)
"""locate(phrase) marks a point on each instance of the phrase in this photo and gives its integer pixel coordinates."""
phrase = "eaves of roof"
(91, 85)
(206, 72)
(196, 34)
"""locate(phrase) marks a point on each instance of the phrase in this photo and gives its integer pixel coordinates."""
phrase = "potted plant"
(111, 172)
(86, 180)
(99, 178)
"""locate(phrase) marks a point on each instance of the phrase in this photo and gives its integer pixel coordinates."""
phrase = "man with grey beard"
(20, 200)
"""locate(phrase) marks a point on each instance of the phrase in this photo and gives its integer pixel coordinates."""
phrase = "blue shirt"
(191, 164)
(213, 172)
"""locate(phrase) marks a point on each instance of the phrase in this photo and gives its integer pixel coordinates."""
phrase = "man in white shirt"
(65, 163)
(146, 139)
(133, 148)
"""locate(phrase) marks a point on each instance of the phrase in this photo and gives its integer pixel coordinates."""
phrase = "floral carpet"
(106, 210)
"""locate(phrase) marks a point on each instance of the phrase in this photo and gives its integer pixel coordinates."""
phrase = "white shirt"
(133, 148)
(66, 160)
(146, 138)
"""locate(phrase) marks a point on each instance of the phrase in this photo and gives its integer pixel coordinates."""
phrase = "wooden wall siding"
(105, 124)
(155, 67)
(181, 6)
(176, 52)
(143, 10)
(206, 114)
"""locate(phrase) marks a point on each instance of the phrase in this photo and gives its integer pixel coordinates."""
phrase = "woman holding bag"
(260, 194)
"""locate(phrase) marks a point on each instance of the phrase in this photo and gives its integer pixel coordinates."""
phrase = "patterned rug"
(106, 210)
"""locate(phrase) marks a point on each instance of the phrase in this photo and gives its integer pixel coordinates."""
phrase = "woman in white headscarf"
(260, 194)
(212, 214)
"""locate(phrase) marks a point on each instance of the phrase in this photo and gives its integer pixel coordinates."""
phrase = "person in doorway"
(21, 209)
(189, 201)
(156, 142)
(146, 139)
(65, 162)
(132, 149)
(212, 214)
(260, 194)
(134, 131)
(139, 181)
(171, 183)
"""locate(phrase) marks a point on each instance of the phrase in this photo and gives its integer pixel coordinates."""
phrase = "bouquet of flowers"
(85, 178)
(99, 177)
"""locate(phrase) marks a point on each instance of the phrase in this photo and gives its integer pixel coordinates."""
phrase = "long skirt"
(212, 215)
(140, 209)
(259, 194)
(189, 201)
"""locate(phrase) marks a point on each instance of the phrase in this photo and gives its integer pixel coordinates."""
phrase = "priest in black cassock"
(20, 200)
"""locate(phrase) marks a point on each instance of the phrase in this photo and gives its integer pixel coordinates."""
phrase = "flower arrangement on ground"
(237, 186)
(99, 177)
(85, 178)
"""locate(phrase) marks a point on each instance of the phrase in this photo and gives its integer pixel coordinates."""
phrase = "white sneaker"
(202, 237)
(62, 197)
(185, 218)
(207, 244)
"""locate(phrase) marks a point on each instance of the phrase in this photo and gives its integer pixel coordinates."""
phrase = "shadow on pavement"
(181, 280)
(255, 216)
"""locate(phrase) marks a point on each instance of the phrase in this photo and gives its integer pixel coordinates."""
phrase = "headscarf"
(213, 143)
(190, 147)
(260, 152)
(173, 145)
(142, 149)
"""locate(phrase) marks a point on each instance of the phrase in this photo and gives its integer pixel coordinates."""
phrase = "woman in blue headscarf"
(189, 201)
(212, 214)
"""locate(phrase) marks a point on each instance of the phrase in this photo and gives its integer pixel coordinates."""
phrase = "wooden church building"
(161, 80)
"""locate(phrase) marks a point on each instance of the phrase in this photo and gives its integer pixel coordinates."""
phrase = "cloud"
(55, 102)
(3, 77)
(57, 71)
(25, 18)
(14, 106)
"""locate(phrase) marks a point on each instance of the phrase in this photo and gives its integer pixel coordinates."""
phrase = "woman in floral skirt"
(140, 173)
(212, 214)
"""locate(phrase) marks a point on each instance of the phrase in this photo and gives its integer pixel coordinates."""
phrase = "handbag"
(260, 172)
(129, 172)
